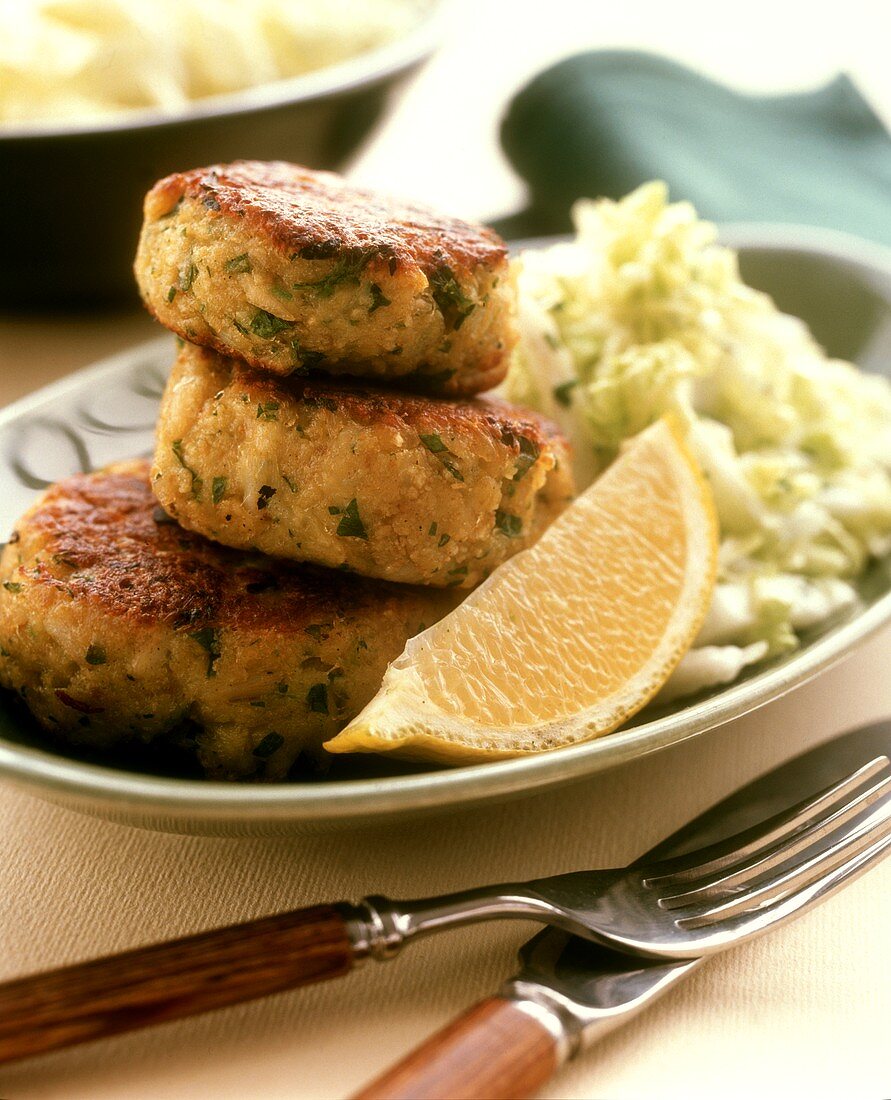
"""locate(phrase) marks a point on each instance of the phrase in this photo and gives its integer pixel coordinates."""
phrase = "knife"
(569, 992)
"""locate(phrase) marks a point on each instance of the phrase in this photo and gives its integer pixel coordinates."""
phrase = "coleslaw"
(643, 313)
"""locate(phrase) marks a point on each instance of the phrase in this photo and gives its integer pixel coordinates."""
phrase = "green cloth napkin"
(601, 123)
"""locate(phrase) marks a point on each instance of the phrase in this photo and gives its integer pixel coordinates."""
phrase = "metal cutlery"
(677, 908)
(683, 907)
(570, 992)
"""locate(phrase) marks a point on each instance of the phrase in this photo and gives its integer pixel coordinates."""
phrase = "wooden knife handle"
(495, 1051)
(167, 981)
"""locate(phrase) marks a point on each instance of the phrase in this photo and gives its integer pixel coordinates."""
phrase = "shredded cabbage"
(644, 313)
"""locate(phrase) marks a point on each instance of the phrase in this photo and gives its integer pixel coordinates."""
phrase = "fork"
(679, 908)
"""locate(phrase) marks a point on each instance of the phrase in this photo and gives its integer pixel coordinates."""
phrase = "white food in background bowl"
(74, 60)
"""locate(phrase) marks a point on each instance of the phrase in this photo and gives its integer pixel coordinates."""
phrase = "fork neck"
(379, 926)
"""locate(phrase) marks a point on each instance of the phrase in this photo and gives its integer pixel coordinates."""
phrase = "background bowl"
(73, 194)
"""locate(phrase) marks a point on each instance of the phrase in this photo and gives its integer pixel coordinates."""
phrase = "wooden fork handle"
(167, 981)
(495, 1051)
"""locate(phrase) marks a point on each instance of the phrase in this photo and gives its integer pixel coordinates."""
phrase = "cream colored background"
(804, 1011)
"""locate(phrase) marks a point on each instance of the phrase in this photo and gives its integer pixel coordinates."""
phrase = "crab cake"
(414, 489)
(117, 625)
(292, 270)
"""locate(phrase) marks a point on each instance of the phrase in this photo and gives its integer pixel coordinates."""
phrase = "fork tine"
(800, 880)
(766, 835)
(746, 870)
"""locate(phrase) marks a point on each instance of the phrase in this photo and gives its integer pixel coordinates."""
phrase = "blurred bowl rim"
(352, 74)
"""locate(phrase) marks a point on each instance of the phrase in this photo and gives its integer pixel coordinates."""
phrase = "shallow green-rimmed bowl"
(841, 286)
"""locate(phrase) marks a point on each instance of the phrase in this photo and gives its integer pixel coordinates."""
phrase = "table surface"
(804, 1009)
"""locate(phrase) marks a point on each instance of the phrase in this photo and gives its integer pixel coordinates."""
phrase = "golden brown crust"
(318, 215)
(370, 405)
(488, 371)
(104, 539)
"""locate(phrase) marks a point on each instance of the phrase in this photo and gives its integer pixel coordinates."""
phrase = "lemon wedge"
(566, 640)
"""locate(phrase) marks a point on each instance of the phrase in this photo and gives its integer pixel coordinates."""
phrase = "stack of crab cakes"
(325, 483)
